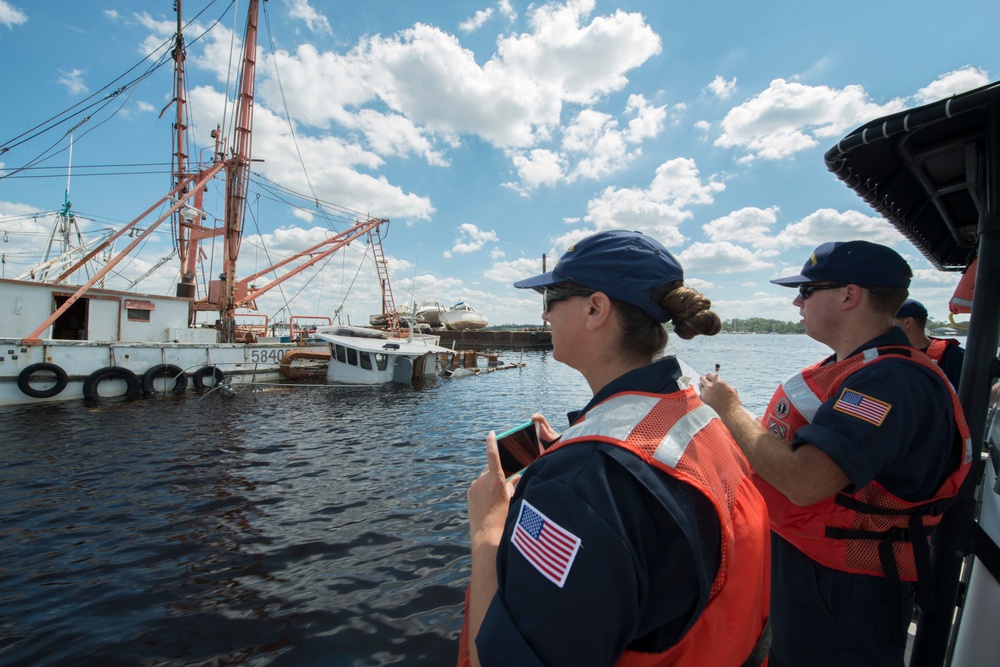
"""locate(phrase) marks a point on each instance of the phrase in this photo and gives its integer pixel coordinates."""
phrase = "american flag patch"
(862, 406)
(546, 545)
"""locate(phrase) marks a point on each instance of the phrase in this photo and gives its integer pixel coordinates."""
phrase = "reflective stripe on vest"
(618, 416)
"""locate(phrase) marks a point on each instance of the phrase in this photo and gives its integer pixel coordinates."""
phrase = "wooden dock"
(484, 340)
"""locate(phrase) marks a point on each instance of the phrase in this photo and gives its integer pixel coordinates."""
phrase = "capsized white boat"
(369, 356)
(430, 312)
(463, 317)
(403, 312)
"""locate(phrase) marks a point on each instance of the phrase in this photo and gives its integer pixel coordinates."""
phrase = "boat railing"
(302, 328)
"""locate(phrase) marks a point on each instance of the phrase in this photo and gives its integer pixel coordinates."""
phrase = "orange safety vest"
(681, 436)
(870, 531)
(938, 347)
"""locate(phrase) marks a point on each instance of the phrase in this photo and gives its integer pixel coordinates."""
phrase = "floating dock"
(522, 339)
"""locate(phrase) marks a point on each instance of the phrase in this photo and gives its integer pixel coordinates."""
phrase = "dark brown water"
(293, 526)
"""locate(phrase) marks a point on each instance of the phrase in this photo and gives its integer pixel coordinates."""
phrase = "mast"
(237, 172)
(186, 284)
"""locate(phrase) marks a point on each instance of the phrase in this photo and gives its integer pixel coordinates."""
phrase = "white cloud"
(519, 93)
(658, 210)
(470, 239)
(935, 277)
(750, 225)
(539, 167)
(73, 80)
(316, 22)
(721, 88)
(334, 166)
(593, 139)
(648, 121)
(827, 224)
(10, 15)
(506, 9)
(719, 257)
(518, 269)
(790, 117)
(476, 21)
(952, 83)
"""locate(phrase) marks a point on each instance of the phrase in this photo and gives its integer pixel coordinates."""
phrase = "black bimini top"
(924, 171)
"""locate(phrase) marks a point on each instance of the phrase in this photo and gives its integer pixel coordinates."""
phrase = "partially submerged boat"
(934, 173)
(463, 317)
(370, 356)
(60, 340)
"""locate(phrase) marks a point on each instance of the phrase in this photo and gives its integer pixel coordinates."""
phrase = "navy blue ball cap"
(853, 263)
(627, 266)
(911, 308)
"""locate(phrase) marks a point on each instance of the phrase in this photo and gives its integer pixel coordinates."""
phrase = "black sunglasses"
(806, 291)
(551, 296)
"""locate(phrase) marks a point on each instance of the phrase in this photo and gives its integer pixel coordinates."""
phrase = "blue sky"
(489, 133)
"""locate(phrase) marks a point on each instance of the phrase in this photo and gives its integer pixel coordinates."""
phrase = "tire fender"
(90, 385)
(24, 380)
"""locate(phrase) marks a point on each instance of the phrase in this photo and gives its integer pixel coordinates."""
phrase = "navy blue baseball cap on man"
(626, 266)
(853, 263)
(911, 308)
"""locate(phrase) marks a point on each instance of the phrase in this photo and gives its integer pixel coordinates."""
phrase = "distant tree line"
(761, 325)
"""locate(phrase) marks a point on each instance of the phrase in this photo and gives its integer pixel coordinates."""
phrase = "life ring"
(132, 383)
(199, 376)
(164, 371)
(961, 301)
(24, 380)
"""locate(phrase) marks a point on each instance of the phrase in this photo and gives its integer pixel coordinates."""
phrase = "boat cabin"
(99, 315)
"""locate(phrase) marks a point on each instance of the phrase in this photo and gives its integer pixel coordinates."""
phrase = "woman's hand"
(489, 499)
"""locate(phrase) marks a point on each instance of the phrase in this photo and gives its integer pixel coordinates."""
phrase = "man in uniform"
(946, 352)
(854, 456)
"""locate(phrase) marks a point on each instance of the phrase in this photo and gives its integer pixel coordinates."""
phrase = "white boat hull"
(463, 321)
(239, 363)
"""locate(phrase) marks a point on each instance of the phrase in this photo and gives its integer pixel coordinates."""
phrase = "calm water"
(292, 526)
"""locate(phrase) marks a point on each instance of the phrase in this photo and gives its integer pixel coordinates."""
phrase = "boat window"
(382, 360)
(138, 310)
(136, 315)
(352, 356)
(366, 361)
(341, 354)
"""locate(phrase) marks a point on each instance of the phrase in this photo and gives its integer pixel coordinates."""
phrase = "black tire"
(24, 380)
(134, 386)
(164, 371)
(199, 376)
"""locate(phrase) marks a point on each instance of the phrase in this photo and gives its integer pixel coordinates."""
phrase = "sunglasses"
(551, 296)
(806, 291)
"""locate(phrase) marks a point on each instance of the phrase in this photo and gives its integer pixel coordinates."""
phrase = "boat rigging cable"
(65, 116)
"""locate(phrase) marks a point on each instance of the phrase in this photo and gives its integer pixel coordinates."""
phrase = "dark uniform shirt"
(649, 551)
(951, 363)
(823, 617)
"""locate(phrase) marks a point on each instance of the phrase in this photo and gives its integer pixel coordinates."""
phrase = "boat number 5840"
(266, 356)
